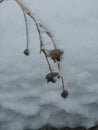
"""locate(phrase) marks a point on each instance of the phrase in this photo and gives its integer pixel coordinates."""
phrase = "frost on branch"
(55, 54)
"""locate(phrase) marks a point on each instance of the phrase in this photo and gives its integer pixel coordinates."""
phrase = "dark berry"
(64, 94)
(27, 52)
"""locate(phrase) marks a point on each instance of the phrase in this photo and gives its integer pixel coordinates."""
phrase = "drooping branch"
(27, 33)
(55, 54)
(64, 94)
(26, 10)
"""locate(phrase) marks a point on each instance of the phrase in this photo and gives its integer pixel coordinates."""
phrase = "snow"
(26, 100)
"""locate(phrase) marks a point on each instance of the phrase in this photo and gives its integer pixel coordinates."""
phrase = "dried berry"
(64, 94)
(27, 52)
(1, 1)
(55, 55)
(51, 77)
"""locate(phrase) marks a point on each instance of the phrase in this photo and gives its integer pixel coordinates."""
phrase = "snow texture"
(26, 100)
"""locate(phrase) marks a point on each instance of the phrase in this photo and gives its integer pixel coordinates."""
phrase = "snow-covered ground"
(26, 100)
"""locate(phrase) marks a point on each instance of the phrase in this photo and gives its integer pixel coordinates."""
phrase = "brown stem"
(61, 76)
(40, 37)
(27, 33)
(25, 9)
(49, 34)
(47, 60)
(42, 48)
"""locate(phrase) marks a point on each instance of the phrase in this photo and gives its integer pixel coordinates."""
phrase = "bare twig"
(49, 34)
(40, 37)
(38, 26)
(43, 50)
(27, 33)
(42, 47)
(25, 10)
(61, 76)
(26, 51)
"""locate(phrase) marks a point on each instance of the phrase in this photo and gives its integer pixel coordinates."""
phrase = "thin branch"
(42, 47)
(61, 76)
(25, 10)
(49, 34)
(26, 51)
(40, 37)
(43, 50)
(38, 26)
(27, 33)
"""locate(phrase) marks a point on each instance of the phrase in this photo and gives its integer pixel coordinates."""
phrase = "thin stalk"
(40, 37)
(62, 80)
(42, 47)
(53, 43)
(49, 34)
(27, 33)
(47, 60)
(25, 9)
(26, 24)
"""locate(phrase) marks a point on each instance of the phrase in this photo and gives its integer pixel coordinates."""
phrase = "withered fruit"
(27, 52)
(55, 55)
(51, 77)
(64, 94)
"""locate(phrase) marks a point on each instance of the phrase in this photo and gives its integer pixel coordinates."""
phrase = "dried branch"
(40, 37)
(25, 9)
(26, 51)
(43, 50)
(27, 33)
(49, 34)
(64, 94)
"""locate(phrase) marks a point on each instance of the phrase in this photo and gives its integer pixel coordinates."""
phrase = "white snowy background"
(26, 100)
